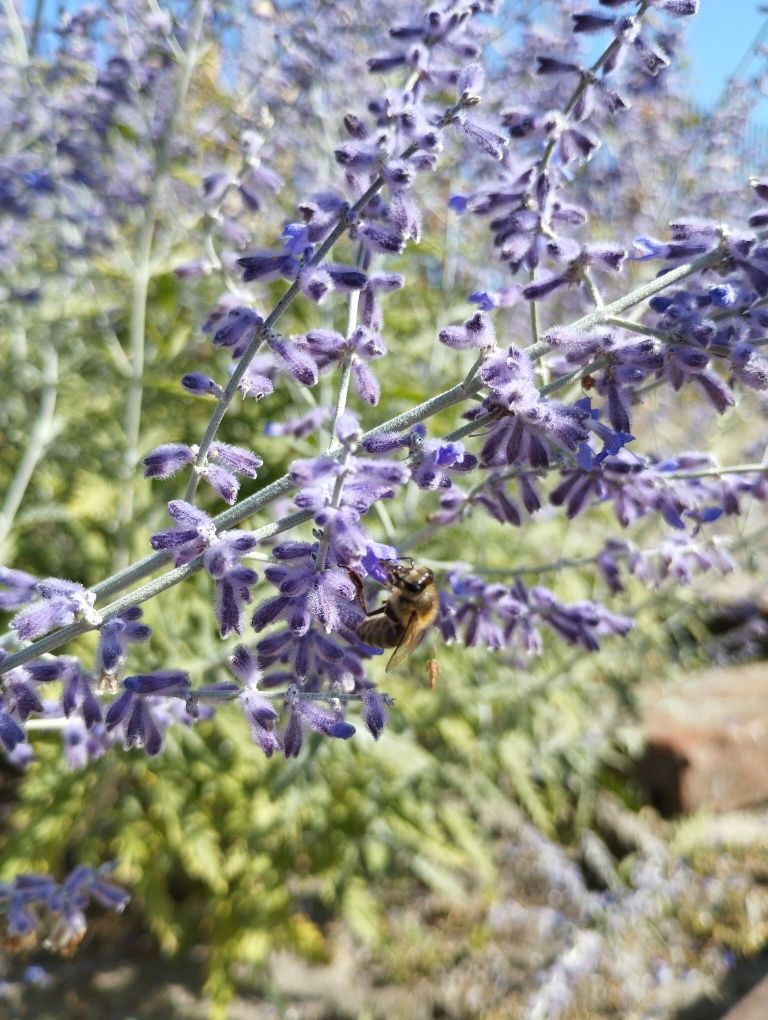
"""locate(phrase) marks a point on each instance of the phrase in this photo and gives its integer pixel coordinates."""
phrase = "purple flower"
(311, 659)
(374, 712)
(384, 241)
(259, 712)
(324, 597)
(135, 712)
(36, 905)
(365, 481)
(19, 588)
(62, 602)
(166, 460)
(237, 330)
(295, 238)
(193, 533)
(114, 638)
(304, 711)
(266, 266)
(298, 361)
(348, 429)
(435, 458)
(233, 581)
(482, 137)
(77, 692)
(255, 381)
(226, 462)
(261, 716)
(496, 616)
(306, 425)
(82, 745)
(613, 440)
(476, 332)
(200, 385)
(528, 423)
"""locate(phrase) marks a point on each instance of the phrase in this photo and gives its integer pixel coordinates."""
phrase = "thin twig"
(38, 440)
(140, 288)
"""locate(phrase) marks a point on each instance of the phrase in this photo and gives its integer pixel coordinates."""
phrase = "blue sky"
(719, 38)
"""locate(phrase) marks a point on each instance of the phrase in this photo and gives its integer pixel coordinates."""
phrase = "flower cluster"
(194, 534)
(676, 489)
(219, 471)
(141, 713)
(60, 602)
(497, 616)
(525, 426)
(36, 906)
(318, 349)
(679, 558)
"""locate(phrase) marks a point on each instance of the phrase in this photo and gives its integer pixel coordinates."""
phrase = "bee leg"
(376, 612)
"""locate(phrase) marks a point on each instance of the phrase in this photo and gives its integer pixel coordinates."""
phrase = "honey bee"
(404, 618)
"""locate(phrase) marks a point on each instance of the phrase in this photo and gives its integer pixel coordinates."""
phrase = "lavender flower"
(309, 713)
(225, 461)
(61, 603)
(527, 424)
(82, 745)
(193, 533)
(36, 905)
(233, 580)
(476, 332)
(164, 461)
(260, 713)
(374, 713)
(435, 459)
(19, 588)
(114, 638)
(136, 711)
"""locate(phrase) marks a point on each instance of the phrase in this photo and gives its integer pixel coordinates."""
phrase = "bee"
(402, 621)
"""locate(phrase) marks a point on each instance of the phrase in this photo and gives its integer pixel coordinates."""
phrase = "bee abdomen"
(380, 633)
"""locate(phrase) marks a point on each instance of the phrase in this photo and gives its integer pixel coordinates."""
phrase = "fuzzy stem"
(140, 289)
(38, 440)
(16, 31)
(734, 469)
(338, 489)
(346, 367)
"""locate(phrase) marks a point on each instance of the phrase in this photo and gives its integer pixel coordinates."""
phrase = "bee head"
(403, 574)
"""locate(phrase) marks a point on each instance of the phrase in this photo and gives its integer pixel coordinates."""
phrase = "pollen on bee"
(433, 671)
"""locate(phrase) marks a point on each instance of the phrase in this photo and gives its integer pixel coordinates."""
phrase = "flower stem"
(16, 31)
(139, 292)
(38, 440)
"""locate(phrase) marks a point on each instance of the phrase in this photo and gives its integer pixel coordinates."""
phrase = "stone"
(707, 740)
(753, 1006)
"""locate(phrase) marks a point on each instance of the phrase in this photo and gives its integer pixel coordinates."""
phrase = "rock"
(707, 741)
(753, 1006)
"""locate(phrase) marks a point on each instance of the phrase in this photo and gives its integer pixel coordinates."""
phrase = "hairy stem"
(38, 440)
(140, 288)
(16, 31)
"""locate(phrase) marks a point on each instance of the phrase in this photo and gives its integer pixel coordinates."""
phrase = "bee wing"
(412, 635)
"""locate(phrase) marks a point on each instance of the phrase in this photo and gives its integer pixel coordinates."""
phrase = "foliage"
(149, 162)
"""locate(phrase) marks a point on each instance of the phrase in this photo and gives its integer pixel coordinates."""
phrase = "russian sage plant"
(570, 324)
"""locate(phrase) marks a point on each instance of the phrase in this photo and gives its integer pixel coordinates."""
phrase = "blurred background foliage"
(219, 847)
